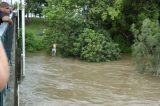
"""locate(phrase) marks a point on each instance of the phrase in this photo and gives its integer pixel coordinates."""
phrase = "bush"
(146, 49)
(95, 47)
(32, 44)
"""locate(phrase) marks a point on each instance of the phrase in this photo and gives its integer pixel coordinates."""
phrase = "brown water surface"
(55, 81)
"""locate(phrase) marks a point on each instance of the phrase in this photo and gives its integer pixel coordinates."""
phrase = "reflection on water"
(55, 81)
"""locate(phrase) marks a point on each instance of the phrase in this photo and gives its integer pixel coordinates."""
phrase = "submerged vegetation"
(146, 49)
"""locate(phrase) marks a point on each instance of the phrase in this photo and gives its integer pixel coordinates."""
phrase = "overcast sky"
(9, 1)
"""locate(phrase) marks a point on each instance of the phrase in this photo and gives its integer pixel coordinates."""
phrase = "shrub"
(146, 48)
(32, 44)
(95, 47)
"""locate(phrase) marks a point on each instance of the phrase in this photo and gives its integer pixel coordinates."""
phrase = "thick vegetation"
(34, 38)
(146, 48)
(96, 47)
(98, 30)
(71, 26)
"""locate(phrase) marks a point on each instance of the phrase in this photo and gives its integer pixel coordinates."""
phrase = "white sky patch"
(10, 1)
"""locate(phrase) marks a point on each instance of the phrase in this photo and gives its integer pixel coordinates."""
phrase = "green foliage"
(95, 47)
(31, 43)
(34, 35)
(146, 49)
(35, 6)
(68, 21)
(124, 45)
(64, 25)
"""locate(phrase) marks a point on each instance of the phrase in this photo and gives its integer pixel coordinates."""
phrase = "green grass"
(35, 26)
(34, 34)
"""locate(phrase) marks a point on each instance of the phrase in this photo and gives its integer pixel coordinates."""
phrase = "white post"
(18, 3)
(23, 36)
(18, 8)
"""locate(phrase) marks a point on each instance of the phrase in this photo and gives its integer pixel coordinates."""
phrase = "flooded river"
(55, 81)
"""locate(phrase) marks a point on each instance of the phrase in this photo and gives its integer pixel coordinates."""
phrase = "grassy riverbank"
(34, 34)
(35, 26)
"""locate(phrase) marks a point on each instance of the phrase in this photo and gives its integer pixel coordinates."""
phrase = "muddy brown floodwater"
(56, 81)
